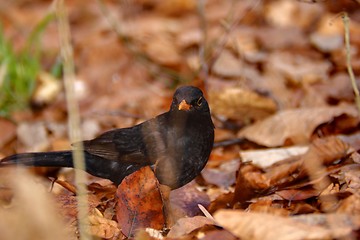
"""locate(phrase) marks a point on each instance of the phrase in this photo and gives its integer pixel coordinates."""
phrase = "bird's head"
(189, 99)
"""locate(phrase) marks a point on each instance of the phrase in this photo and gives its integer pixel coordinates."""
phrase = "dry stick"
(348, 59)
(74, 119)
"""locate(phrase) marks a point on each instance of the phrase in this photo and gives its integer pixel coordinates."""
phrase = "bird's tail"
(41, 159)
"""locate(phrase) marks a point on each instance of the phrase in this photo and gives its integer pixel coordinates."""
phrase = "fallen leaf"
(103, 189)
(321, 152)
(248, 225)
(222, 176)
(287, 14)
(299, 69)
(340, 225)
(219, 234)
(223, 201)
(148, 234)
(184, 201)
(294, 38)
(185, 226)
(327, 42)
(268, 206)
(294, 126)
(350, 205)
(241, 104)
(297, 194)
(140, 203)
(249, 179)
(267, 157)
(102, 227)
(227, 65)
(176, 7)
(162, 49)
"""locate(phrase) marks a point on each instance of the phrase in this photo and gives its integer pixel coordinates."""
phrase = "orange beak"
(184, 106)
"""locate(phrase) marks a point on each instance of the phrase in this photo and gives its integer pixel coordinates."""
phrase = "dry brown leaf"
(266, 157)
(227, 65)
(355, 157)
(268, 206)
(241, 104)
(176, 7)
(223, 201)
(67, 203)
(148, 234)
(249, 179)
(140, 203)
(299, 69)
(327, 149)
(247, 225)
(223, 176)
(189, 37)
(102, 227)
(321, 152)
(219, 234)
(294, 38)
(291, 14)
(294, 126)
(297, 194)
(350, 205)
(187, 225)
(340, 225)
(184, 201)
(352, 178)
(327, 42)
(337, 88)
(162, 49)
(103, 189)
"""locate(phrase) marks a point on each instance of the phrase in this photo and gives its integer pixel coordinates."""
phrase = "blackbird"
(176, 144)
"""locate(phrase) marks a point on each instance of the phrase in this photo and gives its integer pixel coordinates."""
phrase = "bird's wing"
(140, 144)
(118, 145)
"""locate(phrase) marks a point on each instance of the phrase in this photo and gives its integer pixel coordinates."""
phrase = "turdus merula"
(176, 144)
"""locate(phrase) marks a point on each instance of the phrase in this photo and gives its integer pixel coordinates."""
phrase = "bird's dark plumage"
(177, 145)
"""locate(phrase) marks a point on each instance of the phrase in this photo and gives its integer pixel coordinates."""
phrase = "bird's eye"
(199, 101)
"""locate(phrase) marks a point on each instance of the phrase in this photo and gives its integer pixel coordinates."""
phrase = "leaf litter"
(276, 81)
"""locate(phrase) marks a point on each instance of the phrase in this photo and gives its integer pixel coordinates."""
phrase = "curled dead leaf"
(247, 225)
(249, 180)
(294, 126)
(242, 104)
(102, 227)
(186, 225)
(140, 203)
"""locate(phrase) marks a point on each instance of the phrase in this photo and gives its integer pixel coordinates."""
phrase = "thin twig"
(348, 59)
(74, 118)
